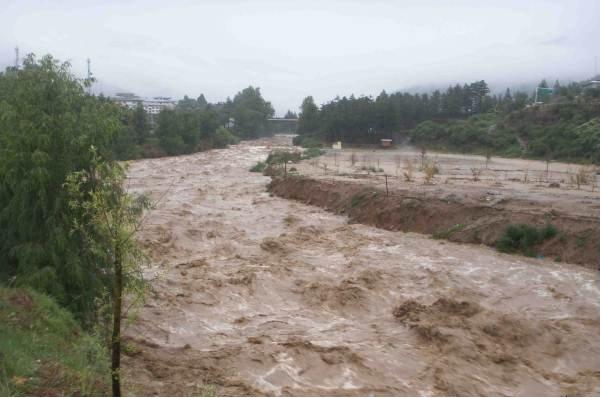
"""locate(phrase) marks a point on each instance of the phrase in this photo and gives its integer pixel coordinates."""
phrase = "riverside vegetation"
(67, 253)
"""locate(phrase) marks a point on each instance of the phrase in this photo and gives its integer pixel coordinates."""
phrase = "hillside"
(43, 350)
(563, 131)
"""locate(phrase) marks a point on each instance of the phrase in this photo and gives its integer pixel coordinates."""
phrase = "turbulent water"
(253, 294)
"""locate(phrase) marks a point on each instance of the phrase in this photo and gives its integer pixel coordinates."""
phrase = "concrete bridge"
(282, 125)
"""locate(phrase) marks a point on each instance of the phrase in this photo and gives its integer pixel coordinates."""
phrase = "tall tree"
(47, 126)
(308, 119)
(250, 112)
(140, 124)
(111, 217)
(290, 115)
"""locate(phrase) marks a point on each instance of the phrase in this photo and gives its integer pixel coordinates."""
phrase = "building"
(152, 106)
(386, 143)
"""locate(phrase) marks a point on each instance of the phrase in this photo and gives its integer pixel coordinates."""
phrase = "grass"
(522, 238)
(361, 198)
(446, 233)
(44, 351)
(582, 238)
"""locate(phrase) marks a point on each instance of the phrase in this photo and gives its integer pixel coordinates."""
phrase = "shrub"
(522, 238)
(408, 170)
(258, 168)
(280, 156)
(223, 137)
(548, 231)
(307, 141)
(430, 170)
(312, 153)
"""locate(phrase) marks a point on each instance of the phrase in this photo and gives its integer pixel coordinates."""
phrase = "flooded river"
(252, 294)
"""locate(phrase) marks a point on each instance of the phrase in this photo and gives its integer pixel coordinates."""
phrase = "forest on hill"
(563, 124)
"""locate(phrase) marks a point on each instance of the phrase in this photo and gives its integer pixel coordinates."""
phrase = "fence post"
(386, 179)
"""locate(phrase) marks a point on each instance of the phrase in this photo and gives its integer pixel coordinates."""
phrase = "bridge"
(282, 125)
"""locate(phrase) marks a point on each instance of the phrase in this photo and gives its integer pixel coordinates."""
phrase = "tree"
(290, 115)
(169, 133)
(477, 93)
(250, 112)
(520, 100)
(140, 124)
(47, 125)
(202, 102)
(110, 219)
(66, 223)
(308, 118)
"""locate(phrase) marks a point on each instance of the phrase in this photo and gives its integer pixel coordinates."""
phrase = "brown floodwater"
(253, 294)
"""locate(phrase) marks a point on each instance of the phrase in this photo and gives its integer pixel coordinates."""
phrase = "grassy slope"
(568, 132)
(43, 351)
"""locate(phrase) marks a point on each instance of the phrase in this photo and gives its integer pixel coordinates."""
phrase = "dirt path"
(255, 294)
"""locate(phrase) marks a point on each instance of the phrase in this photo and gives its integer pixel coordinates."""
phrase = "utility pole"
(16, 57)
(89, 77)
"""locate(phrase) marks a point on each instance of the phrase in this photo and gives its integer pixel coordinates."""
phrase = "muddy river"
(258, 295)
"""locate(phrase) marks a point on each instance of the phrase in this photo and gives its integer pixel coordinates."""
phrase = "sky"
(292, 49)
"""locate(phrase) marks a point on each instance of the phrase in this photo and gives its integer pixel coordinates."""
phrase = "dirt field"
(525, 182)
(254, 294)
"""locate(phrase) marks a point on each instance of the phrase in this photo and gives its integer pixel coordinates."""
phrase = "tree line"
(448, 119)
(195, 125)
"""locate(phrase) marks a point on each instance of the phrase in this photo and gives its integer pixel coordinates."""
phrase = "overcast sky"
(294, 49)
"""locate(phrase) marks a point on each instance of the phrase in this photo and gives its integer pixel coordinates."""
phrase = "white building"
(152, 106)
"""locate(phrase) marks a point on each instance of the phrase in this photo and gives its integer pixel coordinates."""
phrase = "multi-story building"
(153, 106)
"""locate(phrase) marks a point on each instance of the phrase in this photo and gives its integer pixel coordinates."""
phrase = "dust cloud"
(256, 295)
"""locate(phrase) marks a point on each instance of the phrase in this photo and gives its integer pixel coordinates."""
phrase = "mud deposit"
(448, 216)
(253, 294)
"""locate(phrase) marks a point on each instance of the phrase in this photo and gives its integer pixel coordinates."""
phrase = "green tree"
(250, 112)
(140, 124)
(290, 115)
(110, 219)
(47, 125)
(169, 133)
(478, 92)
(308, 119)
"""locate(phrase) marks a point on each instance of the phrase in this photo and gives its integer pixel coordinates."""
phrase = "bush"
(522, 238)
(223, 137)
(280, 156)
(258, 168)
(548, 232)
(307, 141)
(312, 153)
